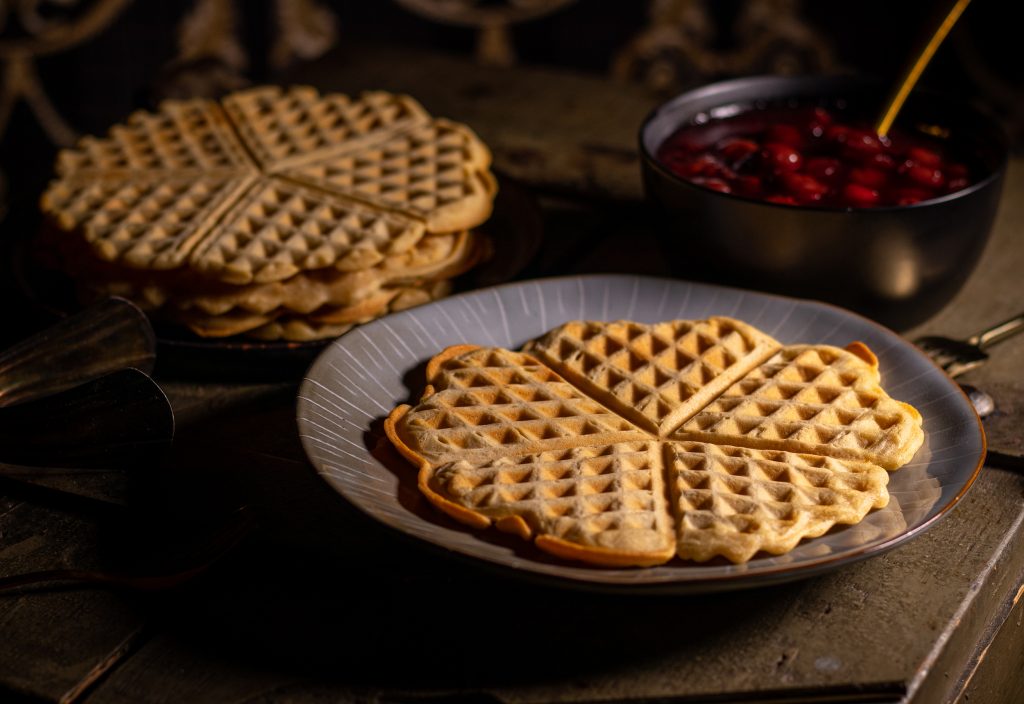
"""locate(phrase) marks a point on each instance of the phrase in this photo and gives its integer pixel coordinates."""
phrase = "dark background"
(132, 63)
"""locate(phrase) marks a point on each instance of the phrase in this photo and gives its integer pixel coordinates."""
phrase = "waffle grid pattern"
(437, 180)
(496, 400)
(649, 372)
(144, 223)
(280, 229)
(183, 136)
(808, 398)
(286, 127)
(423, 173)
(502, 434)
(737, 501)
(609, 491)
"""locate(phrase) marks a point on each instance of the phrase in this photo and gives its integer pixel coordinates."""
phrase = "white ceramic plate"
(357, 380)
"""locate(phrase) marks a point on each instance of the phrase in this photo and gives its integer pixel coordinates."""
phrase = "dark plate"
(363, 375)
(515, 230)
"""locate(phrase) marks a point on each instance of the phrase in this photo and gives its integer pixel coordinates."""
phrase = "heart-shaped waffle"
(546, 445)
(152, 192)
(265, 186)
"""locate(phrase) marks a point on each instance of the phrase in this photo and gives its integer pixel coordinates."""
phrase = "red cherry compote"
(812, 155)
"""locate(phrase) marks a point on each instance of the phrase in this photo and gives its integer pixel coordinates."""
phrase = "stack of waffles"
(630, 444)
(277, 213)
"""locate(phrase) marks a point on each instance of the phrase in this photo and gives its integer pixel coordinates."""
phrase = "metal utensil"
(115, 420)
(957, 357)
(106, 337)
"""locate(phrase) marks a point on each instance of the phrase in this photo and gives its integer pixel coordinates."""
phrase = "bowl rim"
(724, 87)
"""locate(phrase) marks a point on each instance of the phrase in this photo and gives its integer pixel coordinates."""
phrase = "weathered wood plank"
(50, 641)
(998, 677)
(331, 603)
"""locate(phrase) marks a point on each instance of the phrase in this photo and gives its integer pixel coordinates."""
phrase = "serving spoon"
(909, 80)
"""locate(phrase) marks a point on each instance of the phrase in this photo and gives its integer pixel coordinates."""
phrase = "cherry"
(927, 176)
(784, 134)
(925, 157)
(837, 133)
(804, 188)
(859, 196)
(820, 120)
(736, 150)
(825, 169)
(707, 165)
(909, 196)
(805, 155)
(872, 178)
(862, 145)
(781, 157)
(883, 161)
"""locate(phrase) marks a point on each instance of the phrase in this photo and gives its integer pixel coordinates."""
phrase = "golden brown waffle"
(433, 258)
(394, 298)
(146, 222)
(283, 127)
(267, 186)
(500, 437)
(409, 172)
(734, 502)
(279, 229)
(610, 499)
(188, 136)
(485, 402)
(655, 375)
(436, 173)
(327, 323)
(817, 399)
(295, 329)
(282, 323)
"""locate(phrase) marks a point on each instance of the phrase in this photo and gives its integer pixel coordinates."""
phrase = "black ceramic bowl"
(896, 264)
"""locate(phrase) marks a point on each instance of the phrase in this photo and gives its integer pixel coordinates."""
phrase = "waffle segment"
(483, 402)
(734, 502)
(149, 222)
(812, 398)
(606, 501)
(285, 127)
(436, 173)
(655, 375)
(281, 229)
(191, 136)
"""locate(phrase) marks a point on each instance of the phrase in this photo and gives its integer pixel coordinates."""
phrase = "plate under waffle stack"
(274, 213)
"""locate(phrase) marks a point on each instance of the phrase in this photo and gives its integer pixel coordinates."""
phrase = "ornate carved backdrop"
(207, 47)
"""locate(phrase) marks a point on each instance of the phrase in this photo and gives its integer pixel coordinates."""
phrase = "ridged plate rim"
(361, 376)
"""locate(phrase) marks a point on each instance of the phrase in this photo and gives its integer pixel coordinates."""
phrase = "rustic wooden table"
(320, 604)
